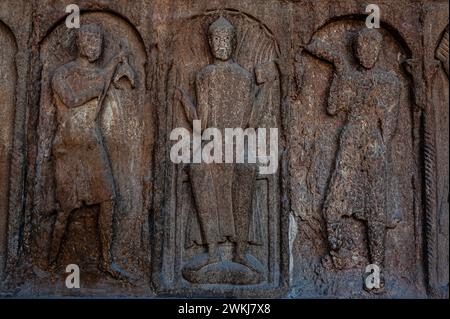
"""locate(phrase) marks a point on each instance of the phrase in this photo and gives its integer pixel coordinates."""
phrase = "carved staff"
(122, 69)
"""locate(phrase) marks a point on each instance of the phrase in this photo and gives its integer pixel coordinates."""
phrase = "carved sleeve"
(323, 51)
(87, 91)
(340, 94)
(388, 108)
(202, 100)
(267, 77)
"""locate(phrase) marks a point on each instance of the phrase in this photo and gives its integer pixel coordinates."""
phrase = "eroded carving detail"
(370, 97)
(227, 97)
(91, 192)
(442, 51)
(83, 173)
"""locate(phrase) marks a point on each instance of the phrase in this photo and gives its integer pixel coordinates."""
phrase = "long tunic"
(225, 96)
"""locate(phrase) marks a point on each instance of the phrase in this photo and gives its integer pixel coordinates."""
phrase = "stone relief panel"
(352, 194)
(8, 79)
(86, 176)
(93, 162)
(226, 217)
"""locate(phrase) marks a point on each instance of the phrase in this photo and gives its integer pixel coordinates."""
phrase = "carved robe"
(225, 96)
(357, 186)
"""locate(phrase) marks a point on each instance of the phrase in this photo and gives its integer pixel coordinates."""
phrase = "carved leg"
(376, 221)
(244, 181)
(333, 210)
(205, 201)
(59, 231)
(376, 235)
(105, 225)
(376, 210)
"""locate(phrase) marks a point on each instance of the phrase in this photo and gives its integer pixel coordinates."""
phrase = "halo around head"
(221, 24)
(89, 28)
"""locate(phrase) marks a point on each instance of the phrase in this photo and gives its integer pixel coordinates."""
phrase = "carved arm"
(266, 76)
(189, 107)
(323, 51)
(66, 94)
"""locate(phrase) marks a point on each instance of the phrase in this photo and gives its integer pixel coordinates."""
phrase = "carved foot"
(250, 262)
(334, 236)
(201, 261)
(115, 271)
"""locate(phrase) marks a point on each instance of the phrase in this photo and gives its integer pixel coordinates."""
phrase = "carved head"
(90, 41)
(367, 47)
(222, 39)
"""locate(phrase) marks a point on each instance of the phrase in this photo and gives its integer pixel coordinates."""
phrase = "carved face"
(367, 47)
(90, 44)
(222, 43)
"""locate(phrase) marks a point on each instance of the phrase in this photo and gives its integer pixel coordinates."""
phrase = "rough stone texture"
(86, 176)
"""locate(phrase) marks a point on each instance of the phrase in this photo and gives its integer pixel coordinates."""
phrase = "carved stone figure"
(87, 173)
(227, 97)
(83, 172)
(370, 98)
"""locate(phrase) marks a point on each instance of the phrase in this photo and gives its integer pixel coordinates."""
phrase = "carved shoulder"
(246, 75)
(205, 73)
(59, 79)
(388, 77)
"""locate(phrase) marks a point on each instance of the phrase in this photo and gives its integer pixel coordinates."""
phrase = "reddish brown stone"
(86, 177)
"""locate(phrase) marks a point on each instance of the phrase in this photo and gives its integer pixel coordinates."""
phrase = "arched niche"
(315, 150)
(126, 126)
(180, 236)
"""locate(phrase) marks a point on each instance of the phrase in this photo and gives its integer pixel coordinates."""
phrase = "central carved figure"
(227, 97)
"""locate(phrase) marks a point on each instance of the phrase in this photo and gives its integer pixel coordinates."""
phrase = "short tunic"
(82, 170)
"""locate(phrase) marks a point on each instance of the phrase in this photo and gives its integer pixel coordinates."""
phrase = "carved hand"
(334, 236)
(319, 48)
(189, 107)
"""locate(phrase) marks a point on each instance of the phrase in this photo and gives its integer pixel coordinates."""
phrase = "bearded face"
(222, 44)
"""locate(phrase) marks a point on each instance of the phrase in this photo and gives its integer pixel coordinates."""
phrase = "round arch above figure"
(354, 81)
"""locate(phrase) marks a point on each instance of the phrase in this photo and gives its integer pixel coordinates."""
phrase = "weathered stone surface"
(86, 176)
